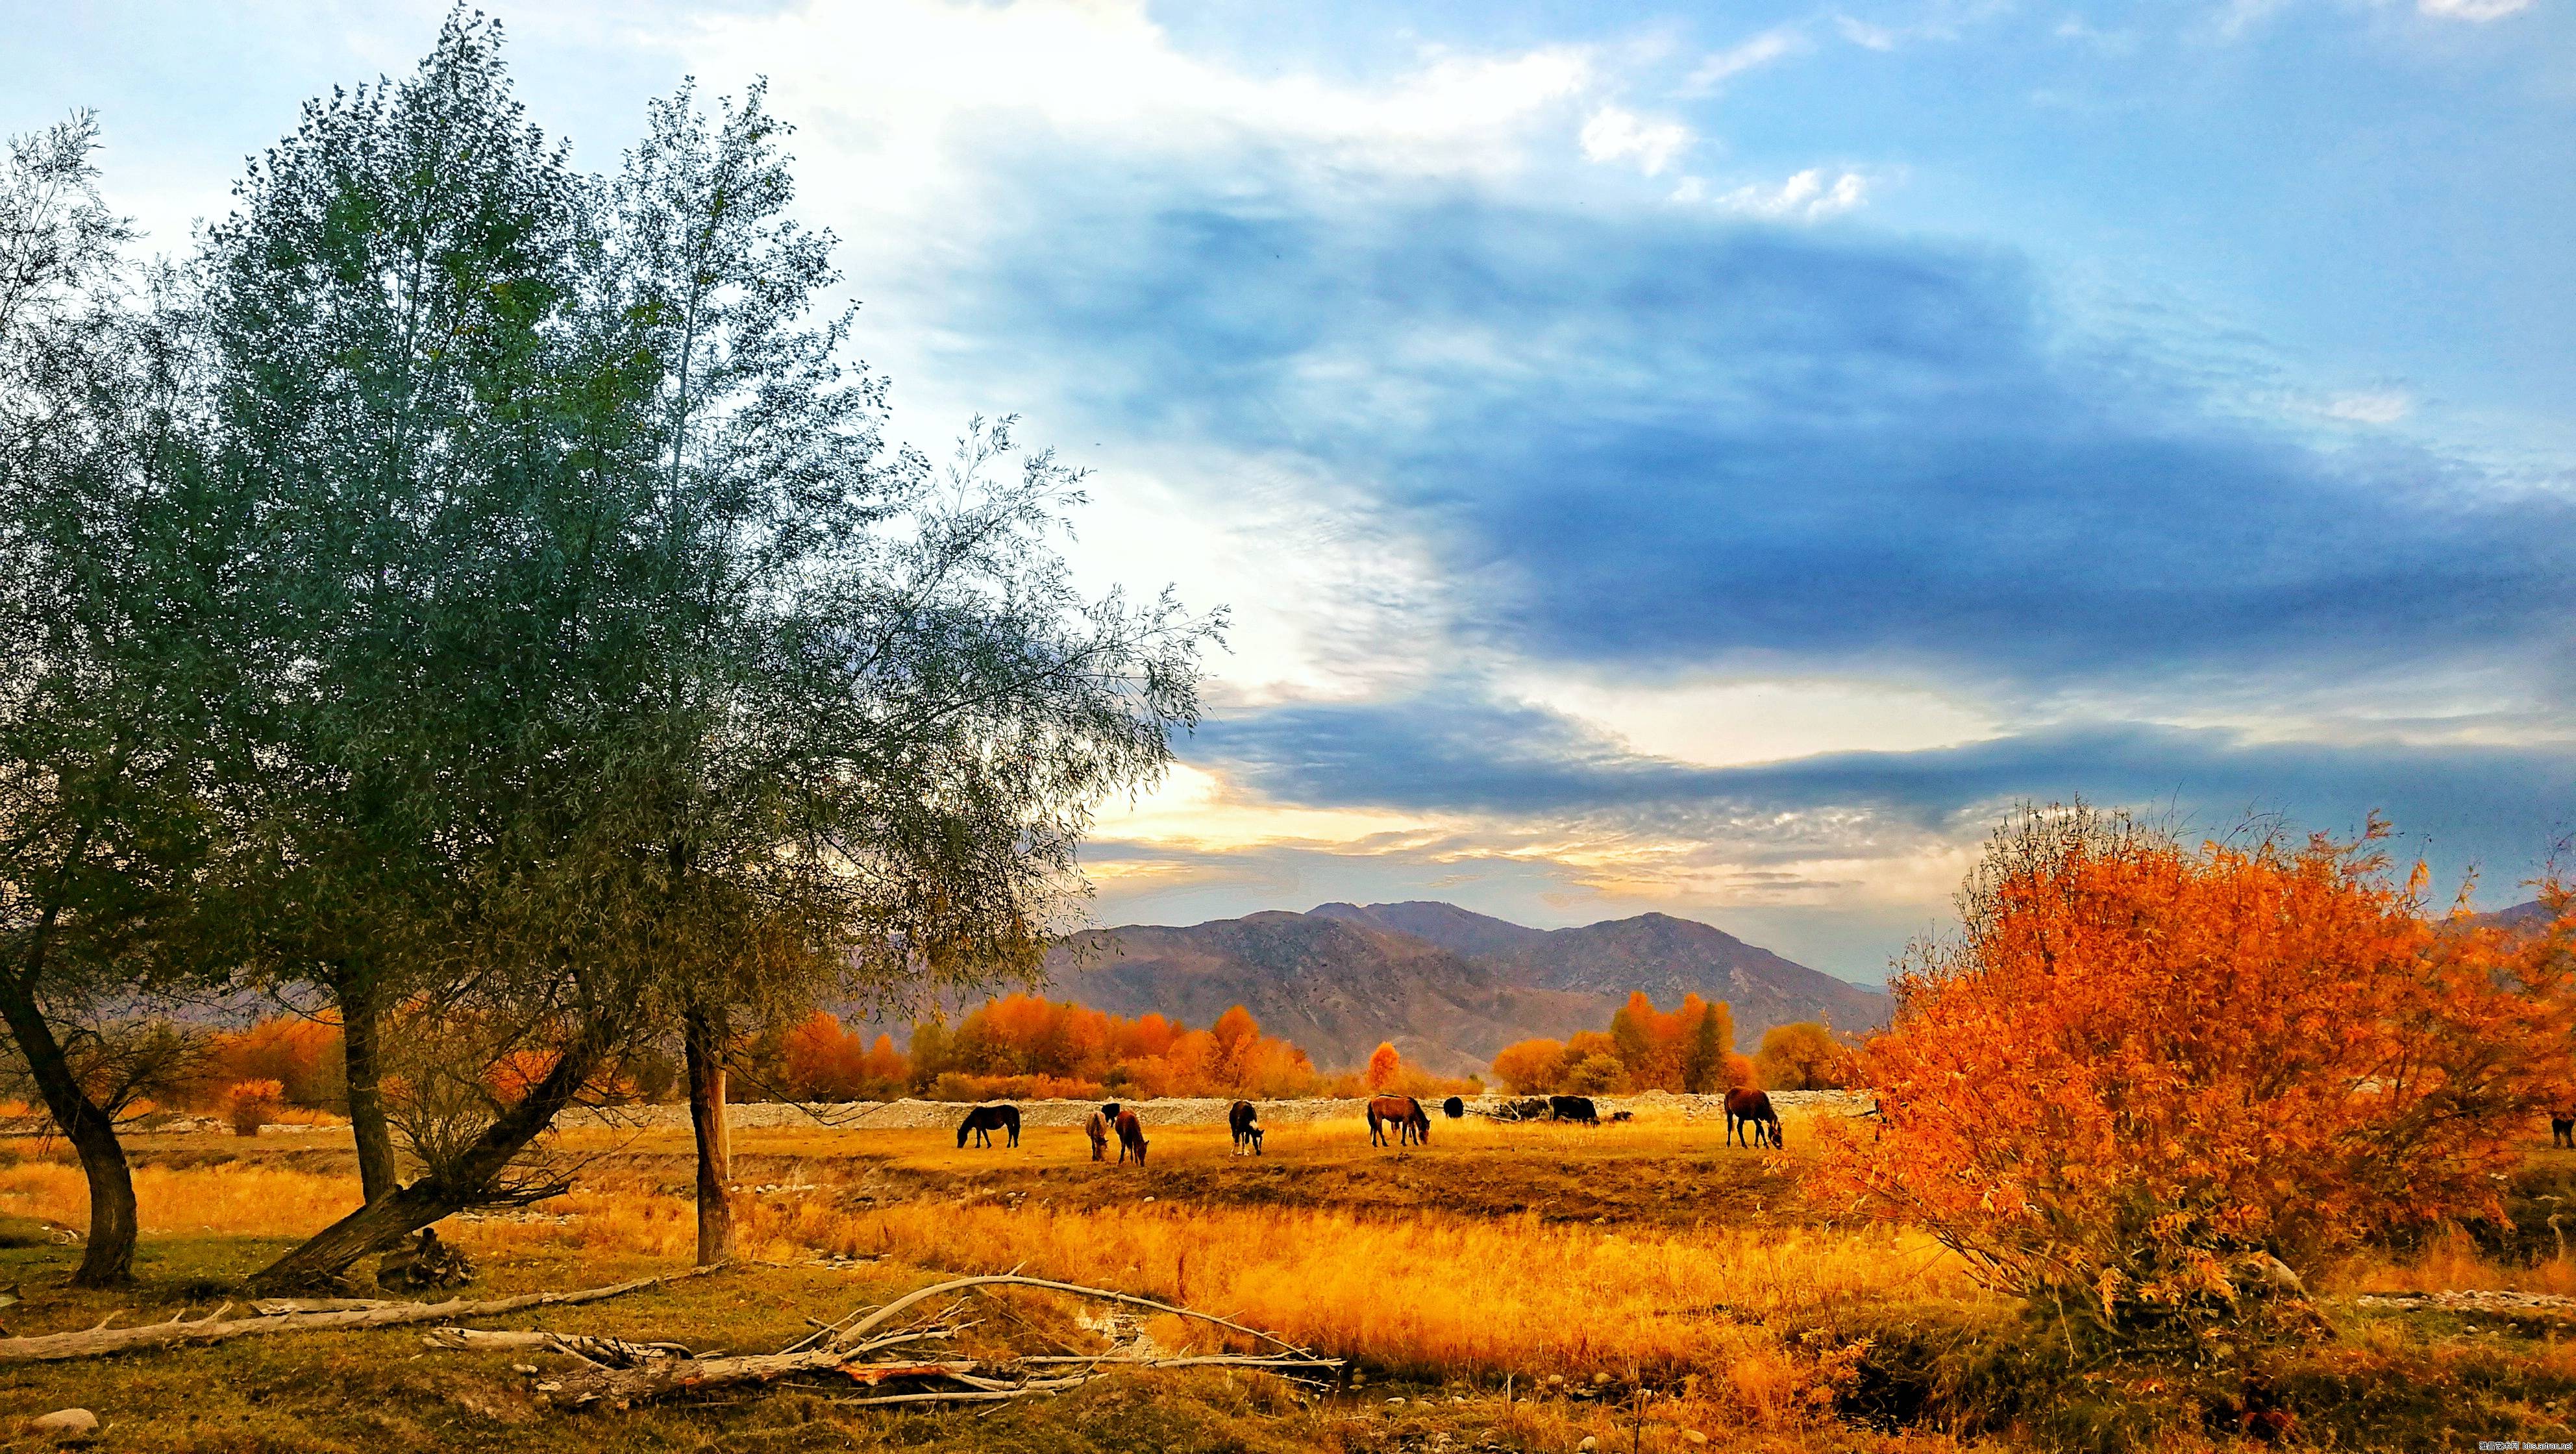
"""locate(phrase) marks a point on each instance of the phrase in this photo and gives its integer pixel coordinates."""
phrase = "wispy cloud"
(1768, 48)
(1804, 197)
(2474, 10)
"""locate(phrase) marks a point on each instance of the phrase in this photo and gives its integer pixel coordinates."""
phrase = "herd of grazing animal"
(1401, 1121)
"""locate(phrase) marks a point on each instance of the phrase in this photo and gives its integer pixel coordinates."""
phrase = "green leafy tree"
(119, 619)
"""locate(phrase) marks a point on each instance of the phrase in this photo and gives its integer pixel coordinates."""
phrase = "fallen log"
(860, 1329)
(662, 1377)
(608, 1352)
(101, 1341)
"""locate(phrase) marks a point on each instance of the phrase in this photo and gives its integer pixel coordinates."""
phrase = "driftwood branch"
(861, 1328)
(618, 1373)
(100, 1341)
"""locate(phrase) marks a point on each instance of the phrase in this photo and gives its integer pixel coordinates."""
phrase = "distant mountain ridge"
(1448, 986)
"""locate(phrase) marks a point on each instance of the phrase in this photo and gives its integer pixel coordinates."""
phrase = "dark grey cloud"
(2465, 805)
(1645, 437)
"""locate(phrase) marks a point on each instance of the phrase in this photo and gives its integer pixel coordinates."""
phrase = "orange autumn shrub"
(2142, 1072)
(1384, 1065)
(1689, 1048)
(251, 1104)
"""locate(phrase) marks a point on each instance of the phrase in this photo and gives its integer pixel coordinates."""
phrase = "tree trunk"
(702, 1035)
(362, 1053)
(108, 1258)
(325, 1257)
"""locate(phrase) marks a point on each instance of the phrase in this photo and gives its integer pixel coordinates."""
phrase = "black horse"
(1577, 1109)
(983, 1121)
(1245, 1122)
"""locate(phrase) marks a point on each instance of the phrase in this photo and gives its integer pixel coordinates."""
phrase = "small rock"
(1457, 1398)
(68, 1425)
(1393, 1402)
(1588, 1445)
(1556, 1380)
(1149, 1199)
(1599, 1379)
(1695, 1436)
(527, 1370)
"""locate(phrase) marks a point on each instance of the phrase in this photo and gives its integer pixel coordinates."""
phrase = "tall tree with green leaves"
(881, 708)
(120, 624)
(380, 306)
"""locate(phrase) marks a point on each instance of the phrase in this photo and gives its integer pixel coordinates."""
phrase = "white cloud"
(1865, 35)
(1805, 197)
(1617, 134)
(2376, 406)
(2472, 9)
(1752, 55)
(1737, 722)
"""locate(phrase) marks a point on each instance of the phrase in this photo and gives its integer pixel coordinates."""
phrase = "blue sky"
(1712, 458)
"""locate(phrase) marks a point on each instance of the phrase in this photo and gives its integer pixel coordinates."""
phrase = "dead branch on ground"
(617, 1373)
(215, 1328)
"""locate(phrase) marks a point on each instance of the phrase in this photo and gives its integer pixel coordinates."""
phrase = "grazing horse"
(1746, 1107)
(1573, 1108)
(1097, 1128)
(1453, 1108)
(1405, 1114)
(1245, 1122)
(2562, 1127)
(983, 1121)
(1131, 1137)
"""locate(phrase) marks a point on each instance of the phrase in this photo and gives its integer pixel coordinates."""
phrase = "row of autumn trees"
(469, 591)
(1020, 1045)
(1690, 1048)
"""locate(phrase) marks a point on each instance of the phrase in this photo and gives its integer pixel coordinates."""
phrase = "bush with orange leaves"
(2147, 1083)
(251, 1104)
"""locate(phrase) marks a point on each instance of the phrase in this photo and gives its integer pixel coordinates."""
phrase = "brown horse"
(1746, 1107)
(1131, 1137)
(1097, 1128)
(1405, 1114)
(1245, 1121)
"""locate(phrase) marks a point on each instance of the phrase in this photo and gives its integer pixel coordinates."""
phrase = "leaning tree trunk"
(362, 1053)
(325, 1257)
(702, 1036)
(108, 1259)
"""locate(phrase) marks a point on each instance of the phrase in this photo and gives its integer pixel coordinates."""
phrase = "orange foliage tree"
(1802, 1056)
(823, 1062)
(1384, 1065)
(2144, 1077)
(1530, 1067)
(299, 1052)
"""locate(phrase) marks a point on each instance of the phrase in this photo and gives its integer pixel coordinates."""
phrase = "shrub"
(2145, 1077)
(251, 1104)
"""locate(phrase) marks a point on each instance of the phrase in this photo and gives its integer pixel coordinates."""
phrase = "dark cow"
(1246, 1125)
(1577, 1109)
(1131, 1137)
(1405, 1114)
(1746, 1107)
(2562, 1128)
(983, 1121)
(1097, 1128)
(1453, 1108)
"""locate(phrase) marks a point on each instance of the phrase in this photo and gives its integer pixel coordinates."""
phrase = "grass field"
(1520, 1287)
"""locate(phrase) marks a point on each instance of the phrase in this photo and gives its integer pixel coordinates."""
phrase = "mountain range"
(1449, 987)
